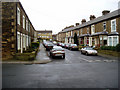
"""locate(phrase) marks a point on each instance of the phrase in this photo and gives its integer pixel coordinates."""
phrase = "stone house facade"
(17, 29)
(44, 34)
(101, 31)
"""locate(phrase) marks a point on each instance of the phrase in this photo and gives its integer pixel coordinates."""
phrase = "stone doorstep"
(26, 62)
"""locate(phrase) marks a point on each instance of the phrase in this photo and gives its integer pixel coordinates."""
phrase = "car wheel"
(86, 53)
(81, 52)
(52, 56)
(63, 56)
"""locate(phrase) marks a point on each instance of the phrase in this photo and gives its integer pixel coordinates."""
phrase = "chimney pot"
(92, 17)
(105, 12)
(83, 21)
(77, 24)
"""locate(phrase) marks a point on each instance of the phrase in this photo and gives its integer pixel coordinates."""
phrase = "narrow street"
(75, 71)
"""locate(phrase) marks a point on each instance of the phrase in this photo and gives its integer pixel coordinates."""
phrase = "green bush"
(113, 48)
(35, 45)
(118, 47)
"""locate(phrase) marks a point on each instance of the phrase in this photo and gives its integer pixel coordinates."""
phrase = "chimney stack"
(92, 17)
(83, 21)
(77, 24)
(105, 12)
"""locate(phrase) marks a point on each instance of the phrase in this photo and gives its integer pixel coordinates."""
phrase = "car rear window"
(89, 49)
(73, 45)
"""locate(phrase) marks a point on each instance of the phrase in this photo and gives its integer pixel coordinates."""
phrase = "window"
(77, 33)
(71, 33)
(18, 16)
(92, 29)
(87, 30)
(27, 25)
(27, 40)
(81, 31)
(18, 40)
(23, 21)
(113, 40)
(23, 41)
(113, 25)
(104, 26)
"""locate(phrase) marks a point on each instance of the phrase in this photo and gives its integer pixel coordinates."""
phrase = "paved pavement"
(41, 58)
(75, 71)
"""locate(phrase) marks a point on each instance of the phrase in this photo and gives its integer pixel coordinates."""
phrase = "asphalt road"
(75, 71)
(76, 57)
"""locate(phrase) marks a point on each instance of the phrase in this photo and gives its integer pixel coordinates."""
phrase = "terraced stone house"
(17, 29)
(45, 34)
(100, 31)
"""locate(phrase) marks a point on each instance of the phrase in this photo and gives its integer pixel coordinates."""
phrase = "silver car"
(88, 51)
(57, 51)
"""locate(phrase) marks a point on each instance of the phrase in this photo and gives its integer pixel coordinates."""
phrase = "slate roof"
(113, 14)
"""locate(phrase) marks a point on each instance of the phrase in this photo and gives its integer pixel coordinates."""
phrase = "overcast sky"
(55, 15)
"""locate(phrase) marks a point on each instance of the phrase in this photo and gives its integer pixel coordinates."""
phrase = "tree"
(75, 39)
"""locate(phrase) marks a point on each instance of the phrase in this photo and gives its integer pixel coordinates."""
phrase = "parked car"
(49, 46)
(62, 45)
(54, 42)
(57, 51)
(88, 51)
(67, 45)
(73, 47)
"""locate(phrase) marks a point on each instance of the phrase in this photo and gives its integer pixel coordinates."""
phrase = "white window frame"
(18, 40)
(114, 20)
(23, 21)
(77, 33)
(71, 33)
(92, 29)
(26, 40)
(112, 40)
(18, 16)
(24, 46)
(26, 24)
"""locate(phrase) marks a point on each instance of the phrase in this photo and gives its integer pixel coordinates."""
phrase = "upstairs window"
(113, 25)
(104, 26)
(92, 29)
(81, 31)
(87, 30)
(18, 16)
(27, 25)
(77, 33)
(23, 21)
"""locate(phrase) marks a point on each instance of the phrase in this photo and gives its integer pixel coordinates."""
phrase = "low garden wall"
(29, 54)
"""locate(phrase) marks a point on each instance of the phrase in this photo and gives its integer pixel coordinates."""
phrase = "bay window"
(113, 40)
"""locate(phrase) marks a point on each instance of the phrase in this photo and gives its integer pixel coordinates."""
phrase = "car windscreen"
(50, 44)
